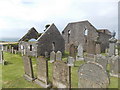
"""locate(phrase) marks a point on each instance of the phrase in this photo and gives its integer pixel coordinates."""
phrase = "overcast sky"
(18, 16)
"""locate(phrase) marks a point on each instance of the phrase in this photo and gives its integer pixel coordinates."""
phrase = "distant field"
(13, 73)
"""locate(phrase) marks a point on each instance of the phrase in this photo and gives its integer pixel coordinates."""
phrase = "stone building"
(36, 44)
(50, 40)
(104, 36)
(86, 34)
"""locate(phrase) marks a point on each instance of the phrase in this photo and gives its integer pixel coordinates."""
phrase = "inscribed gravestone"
(72, 50)
(92, 75)
(46, 55)
(52, 57)
(28, 68)
(80, 53)
(58, 55)
(70, 61)
(42, 72)
(61, 75)
(112, 42)
(114, 66)
(102, 60)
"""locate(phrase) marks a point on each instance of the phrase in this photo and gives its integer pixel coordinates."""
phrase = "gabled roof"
(52, 28)
(84, 22)
(105, 31)
(31, 34)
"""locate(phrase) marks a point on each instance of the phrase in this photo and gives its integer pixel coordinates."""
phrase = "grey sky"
(18, 16)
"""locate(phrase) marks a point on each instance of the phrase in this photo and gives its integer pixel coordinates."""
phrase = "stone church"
(36, 44)
(87, 35)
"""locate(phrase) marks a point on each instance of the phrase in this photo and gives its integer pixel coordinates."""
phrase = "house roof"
(31, 34)
(86, 21)
(105, 31)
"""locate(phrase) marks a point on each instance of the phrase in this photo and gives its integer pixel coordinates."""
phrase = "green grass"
(13, 73)
(0, 76)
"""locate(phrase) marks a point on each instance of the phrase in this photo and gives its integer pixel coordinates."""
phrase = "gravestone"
(29, 75)
(98, 48)
(70, 61)
(102, 60)
(58, 55)
(92, 75)
(89, 57)
(1, 55)
(80, 53)
(72, 50)
(52, 57)
(61, 75)
(114, 66)
(15, 51)
(112, 43)
(12, 50)
(46, 55)
(42, 72)
(116, 51)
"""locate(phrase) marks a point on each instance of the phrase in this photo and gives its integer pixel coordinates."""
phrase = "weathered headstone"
(116, 51)
(112, 43)
(12, 50)
(15, 51)
(29, 75)
(70, 61)
(1, 55)
(92, 75)
(102, 60)
(80, 53)
(52, 57)
(42, 72)
(114, 66)
(58, 55)
(46, 55)
(61, 75)
(98, 48)
(72, 50)
(89, 57)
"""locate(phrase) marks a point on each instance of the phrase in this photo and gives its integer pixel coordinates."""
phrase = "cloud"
(23, 14)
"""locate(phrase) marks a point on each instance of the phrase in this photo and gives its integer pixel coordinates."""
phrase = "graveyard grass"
(12, 73)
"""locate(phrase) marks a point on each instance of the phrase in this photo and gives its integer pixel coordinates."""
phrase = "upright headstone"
(92, 75)
(58, 55)
(6, 48)
(89, 57)
(42, 72)
(80, 53)
(72, 50)
(114, 66)
(46, 55)
(15, 51)
(112, 43)
(12, 50)
(116, 51)
(102, 60)
(1, 55)
(52, 57)
(29, 75)
(70, 61)
(61, 75)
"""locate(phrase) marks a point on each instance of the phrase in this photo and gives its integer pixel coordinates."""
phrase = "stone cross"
(52, 57)
(58, 55)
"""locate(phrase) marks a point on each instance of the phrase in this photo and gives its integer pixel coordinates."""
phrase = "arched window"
(30, 47)
(69, 32)
(86, 31)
